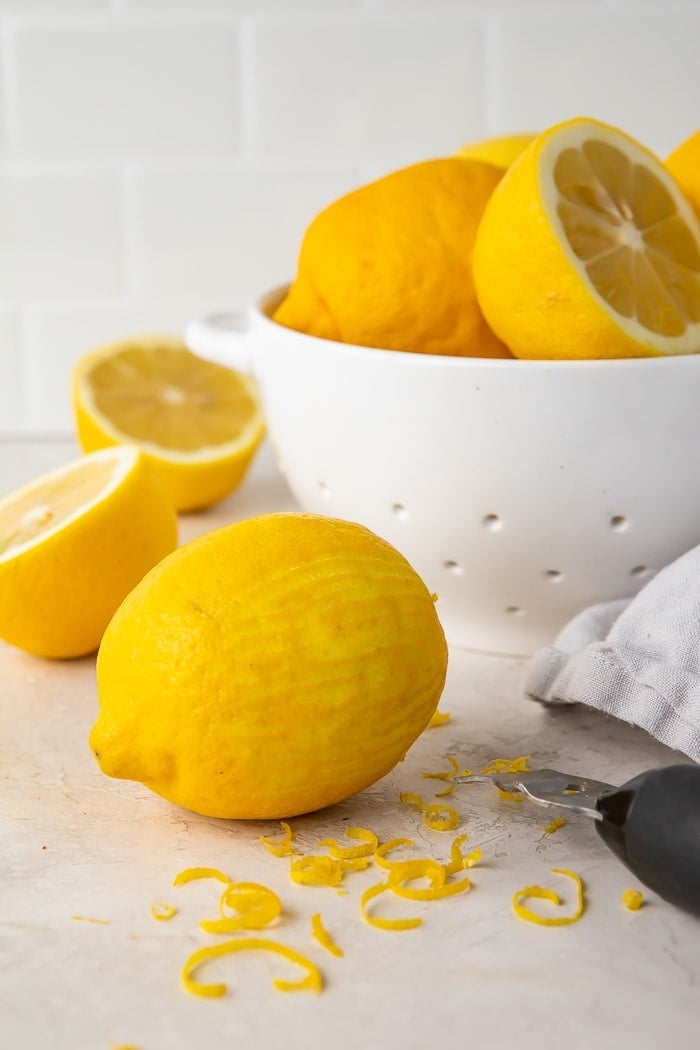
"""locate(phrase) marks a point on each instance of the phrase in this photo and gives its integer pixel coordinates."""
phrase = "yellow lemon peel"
(553, 825)
(444, 774)
(256, 905)
(507, 765)
(163, 911)
(541, 893)
(312, 982)
(281, 847)
(316, 871)
(323, 936)
(440, 817)
(440, 718)
(384, 924)
(633, 899)
(386, 847)
(369, 844)
(410, 798)
(446, 792)
(458, 860)
(192, 874)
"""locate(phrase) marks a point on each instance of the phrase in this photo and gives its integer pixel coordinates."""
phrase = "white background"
(163, 157)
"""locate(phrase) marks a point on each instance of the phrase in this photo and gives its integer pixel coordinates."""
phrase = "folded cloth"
(636, 659)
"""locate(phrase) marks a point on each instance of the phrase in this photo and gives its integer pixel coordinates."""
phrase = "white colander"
(521, 491)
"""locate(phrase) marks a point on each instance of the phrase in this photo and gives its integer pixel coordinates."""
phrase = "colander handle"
(223, 338)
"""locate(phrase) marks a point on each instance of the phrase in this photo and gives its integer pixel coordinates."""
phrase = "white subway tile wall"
(160, 158)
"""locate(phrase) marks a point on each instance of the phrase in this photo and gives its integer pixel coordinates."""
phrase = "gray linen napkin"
(636, 659)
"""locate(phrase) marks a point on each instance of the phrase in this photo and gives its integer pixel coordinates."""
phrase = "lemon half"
(589, 249)
(199, 423)
(73, 543)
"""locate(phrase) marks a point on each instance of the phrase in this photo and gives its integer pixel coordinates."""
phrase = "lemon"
(199, 423)
(500, 150)
(588, 249)
(684, 165)
(389, 265)
(73, 543)
(269, 668)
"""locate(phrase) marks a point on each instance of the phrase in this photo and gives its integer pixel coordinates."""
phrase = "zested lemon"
(269, 668)
(500, 150)
(588, 249)
(199, 423)
(73, 543)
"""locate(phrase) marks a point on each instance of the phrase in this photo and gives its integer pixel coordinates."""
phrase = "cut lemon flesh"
(624, 225)
(72, 545)
(200, 423)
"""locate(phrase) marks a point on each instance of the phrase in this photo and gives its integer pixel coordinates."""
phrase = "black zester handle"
(652, 823)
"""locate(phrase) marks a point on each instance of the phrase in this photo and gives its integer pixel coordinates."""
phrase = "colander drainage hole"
(492, 522)
(554, 575)
(619, 523)
(453, 566)
(399, 511)
(514, 610)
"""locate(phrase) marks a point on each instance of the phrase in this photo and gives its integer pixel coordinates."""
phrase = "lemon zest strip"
(88, 918)
(439, 719)
(539, 892)
(433, 820)
(411, 799)
(507, 765)
(553, 825)
(190, 874)
(442, 774)
(323, 936)
(312, 982)
(384, 924)
(281, 847)
(369, 844)
(633, 899)
(449, 790)
(316, 871)
(458, 860)
(257, 907)
(163, 911)
(386, 847)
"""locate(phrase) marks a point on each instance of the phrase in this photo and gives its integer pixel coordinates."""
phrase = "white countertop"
(74, 843)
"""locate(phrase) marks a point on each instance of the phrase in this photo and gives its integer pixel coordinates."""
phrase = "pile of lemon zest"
(539, 892)
(633, 899)
(312, 982)
(279, 847)
(449, 790)
(411, 799)
(445, 774)
(368, 838)
(163, 911)
(190, 874)
(509, 796)
(323, 936)
(316, 871)
(553, 825)
(439, 719)
(386, 847)
(507, 765)
(384, 924)
(87, 918)
(256, 905)
(433, 820)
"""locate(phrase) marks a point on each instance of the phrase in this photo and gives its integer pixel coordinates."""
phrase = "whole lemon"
(269, 668)
(389, 265)
(684, 165)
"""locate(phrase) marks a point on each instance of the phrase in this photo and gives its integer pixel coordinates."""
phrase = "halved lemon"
(73, 543)
(588, 249)
(199, 423)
